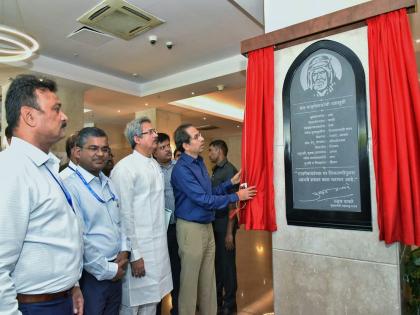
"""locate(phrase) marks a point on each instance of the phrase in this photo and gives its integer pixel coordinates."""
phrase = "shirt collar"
(72, 165)
(169, 166)
(37, 156)
(189, 159)
(222, 163)
(89, 176)
(138, 154)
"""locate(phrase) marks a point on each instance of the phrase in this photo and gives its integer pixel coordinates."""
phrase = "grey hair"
(134, 128)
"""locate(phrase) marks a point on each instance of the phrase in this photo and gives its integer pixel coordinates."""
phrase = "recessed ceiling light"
(135, 75)
(237, 126)
(119, 111)
(204, 118)
(146, 104)
(418, 41)
(192, 93)
(86, 110)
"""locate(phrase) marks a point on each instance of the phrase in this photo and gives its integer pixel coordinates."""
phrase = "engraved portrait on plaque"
(325, 128)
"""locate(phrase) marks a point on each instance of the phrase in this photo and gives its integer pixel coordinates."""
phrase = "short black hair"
(71, 143)
(221, 145)
(176, 151)
(163, 137)
(181, 136)
(22, 93)
(8, 132)
(87, 132)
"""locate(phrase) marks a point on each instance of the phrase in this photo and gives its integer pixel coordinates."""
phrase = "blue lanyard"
(65, 191)
(71, 168)
(92, 191)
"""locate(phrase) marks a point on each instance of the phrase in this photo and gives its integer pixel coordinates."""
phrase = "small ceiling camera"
(152, 39)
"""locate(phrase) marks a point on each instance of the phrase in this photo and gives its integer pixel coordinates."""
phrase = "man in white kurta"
(139, 183)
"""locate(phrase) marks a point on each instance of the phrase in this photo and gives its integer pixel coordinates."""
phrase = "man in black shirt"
(224, 234)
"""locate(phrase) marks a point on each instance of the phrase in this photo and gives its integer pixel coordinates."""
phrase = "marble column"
(72, 100)
(163, 121)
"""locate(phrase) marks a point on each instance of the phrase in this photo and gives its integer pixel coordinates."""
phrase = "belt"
(39, 298)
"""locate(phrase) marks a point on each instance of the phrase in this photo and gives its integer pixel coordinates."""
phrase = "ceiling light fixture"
(18, 45)
(15, 45)
(418, 41)
(192, 93)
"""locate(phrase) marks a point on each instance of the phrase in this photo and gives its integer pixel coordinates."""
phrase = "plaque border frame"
(323, 218)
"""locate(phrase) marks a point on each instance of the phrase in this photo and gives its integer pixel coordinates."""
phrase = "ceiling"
(201, 31)
(206, 36)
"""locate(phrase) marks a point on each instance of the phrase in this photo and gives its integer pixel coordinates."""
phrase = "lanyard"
(71, 168)
(65, 191)
(92, 191)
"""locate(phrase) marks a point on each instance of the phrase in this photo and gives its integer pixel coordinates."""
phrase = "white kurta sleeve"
(124, 181)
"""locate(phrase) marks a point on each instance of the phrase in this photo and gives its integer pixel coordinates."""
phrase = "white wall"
(280, 14)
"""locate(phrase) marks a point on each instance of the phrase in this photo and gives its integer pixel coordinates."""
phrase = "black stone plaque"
(325, 132)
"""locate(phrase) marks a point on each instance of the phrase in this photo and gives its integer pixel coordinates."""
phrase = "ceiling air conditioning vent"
(119, 18)
(136, 13)
(99, 12)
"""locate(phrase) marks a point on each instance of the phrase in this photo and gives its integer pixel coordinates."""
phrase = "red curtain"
(258, 141)
(395, 117)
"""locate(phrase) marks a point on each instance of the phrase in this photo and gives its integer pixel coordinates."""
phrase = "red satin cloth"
(395, 117)
(258, 141)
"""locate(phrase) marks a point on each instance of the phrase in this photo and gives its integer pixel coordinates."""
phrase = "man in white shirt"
(95, 200)
(40, 237)
(139, 183)
(67, 169)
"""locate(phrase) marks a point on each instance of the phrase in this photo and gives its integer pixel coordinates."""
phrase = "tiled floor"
(255, 274)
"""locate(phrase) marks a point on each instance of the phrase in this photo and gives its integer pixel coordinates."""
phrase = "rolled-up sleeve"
(184, 180)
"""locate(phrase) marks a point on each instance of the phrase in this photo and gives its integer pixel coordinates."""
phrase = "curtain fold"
(395, 118)
(258, 141)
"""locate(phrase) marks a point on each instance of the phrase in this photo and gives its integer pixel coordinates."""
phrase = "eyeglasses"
(196, 136)
(150, 132)
(96, 149)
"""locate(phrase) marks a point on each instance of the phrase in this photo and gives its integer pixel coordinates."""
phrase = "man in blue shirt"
(195, 201)
(105, 255)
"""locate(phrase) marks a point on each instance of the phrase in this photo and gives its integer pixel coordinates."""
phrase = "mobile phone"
(243, 186)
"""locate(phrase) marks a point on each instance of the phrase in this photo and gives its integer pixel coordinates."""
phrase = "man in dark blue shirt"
(195, 201)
